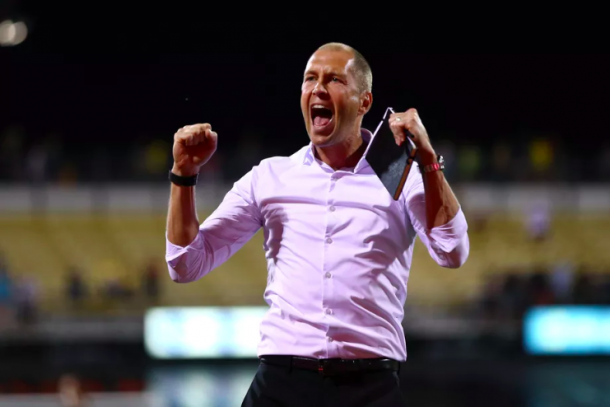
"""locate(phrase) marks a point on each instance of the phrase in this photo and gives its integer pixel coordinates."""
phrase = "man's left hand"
(410, 120)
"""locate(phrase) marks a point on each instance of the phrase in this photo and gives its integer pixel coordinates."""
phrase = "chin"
(321, 140)
(322, 137)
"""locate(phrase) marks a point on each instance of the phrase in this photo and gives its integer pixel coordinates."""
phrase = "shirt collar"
(366, 135)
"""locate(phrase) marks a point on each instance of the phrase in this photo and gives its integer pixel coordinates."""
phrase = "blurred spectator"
(538, 221)
(76, 288)
(605, 288)
(525, 157)
(508, 294)
(26, 299)
(539, 290)
(560, 285)
(513, 302)
(583, 289)
(561, 281)
(71, 393)
(6, 289)
(491, 298)
(115, 289)
(597, 295)
(151, 281)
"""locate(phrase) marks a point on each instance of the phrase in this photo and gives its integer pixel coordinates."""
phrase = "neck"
(342, 155)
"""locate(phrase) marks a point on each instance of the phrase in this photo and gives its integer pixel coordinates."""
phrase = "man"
(338, 247)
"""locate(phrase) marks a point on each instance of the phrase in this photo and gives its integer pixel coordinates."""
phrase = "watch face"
(441, 162)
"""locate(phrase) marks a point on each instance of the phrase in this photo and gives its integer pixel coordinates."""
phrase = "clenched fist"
(193, 147)
(410, 121)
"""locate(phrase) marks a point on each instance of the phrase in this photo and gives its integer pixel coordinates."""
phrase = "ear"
(366, 101)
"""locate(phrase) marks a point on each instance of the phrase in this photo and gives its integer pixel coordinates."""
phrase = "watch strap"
(437, 166)
(183, 181)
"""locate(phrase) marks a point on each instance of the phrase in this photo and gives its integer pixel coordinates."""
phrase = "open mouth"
(321, 115)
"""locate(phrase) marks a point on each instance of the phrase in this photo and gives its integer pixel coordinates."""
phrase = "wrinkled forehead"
(330, 62)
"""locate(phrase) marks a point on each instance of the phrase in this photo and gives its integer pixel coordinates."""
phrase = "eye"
(335, 79)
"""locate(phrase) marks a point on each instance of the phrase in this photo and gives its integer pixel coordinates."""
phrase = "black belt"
(330, 367)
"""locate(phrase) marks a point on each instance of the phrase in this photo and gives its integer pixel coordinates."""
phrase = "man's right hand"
(193, 147)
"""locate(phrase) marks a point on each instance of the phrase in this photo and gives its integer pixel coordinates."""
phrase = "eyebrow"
(335, 73)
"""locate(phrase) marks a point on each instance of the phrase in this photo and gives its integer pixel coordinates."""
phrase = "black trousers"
(278, 386)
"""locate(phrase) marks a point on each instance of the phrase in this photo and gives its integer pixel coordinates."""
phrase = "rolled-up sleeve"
(223, 233)
(447, 244)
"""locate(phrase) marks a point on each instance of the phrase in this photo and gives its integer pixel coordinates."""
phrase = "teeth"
(319, 107)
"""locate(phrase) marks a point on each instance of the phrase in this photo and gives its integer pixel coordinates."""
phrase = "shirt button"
(329, 339)
(329, 311)
(332, 208)
(327, 275)
(329, 240)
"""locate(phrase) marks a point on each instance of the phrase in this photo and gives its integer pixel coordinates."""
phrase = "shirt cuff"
(449, 235)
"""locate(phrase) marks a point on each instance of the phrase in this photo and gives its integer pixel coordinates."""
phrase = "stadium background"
(89, 106)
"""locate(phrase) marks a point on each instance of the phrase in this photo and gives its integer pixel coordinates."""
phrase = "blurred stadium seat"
(119, 245)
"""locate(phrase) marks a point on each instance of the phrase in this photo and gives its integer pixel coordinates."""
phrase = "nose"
(316, 90)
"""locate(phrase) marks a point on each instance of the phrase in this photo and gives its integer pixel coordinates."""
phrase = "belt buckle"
(321, 367)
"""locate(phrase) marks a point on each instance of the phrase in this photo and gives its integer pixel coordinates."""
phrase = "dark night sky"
(98, 78)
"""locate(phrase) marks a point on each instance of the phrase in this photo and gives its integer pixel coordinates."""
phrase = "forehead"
(327, 61)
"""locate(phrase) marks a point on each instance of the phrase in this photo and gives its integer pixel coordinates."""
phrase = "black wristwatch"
(183, 181)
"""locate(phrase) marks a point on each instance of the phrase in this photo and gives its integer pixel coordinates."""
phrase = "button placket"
(330, 204)
(327, 283)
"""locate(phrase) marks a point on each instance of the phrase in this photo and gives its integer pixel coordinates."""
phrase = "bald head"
(361, 68)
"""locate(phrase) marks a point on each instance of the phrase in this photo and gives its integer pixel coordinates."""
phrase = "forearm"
(193, 249)
(182, 222)
(441, 203)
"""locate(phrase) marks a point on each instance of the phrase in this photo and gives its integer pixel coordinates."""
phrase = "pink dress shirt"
(338, 251)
